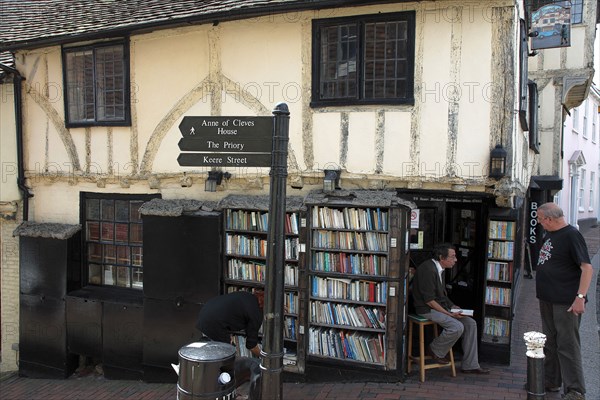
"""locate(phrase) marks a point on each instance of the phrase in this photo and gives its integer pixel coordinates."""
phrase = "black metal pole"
(535, 365)
(272, 351)
(535, 379)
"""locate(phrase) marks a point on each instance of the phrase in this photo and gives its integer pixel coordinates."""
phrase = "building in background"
(560, 78)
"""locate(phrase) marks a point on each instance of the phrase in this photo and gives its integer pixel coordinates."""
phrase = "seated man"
(432, 302)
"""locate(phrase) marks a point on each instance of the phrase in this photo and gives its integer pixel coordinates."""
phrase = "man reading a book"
(431, 301)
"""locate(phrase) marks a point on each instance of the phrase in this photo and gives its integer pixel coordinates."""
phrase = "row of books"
(253, 246)
(344, 314)
(290, 327)
(350, 218)
(290, 299)
(496, 327)
(346, 345)
(257, 221)
(497, 296)
(247, 270)
(502, 230)
(290, 302)
(347, 289)
(502, 250)
(363, 241)
(499, 271)
(366, 264)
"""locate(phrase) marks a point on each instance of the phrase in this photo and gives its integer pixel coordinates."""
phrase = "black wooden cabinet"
(46, 254)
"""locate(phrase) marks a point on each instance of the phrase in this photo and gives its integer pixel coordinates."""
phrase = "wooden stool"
(422, 323)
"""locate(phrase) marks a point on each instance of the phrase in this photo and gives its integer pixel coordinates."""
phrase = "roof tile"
(34, 23)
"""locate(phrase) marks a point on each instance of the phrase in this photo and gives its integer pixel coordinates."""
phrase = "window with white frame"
(595, 107)
(97, 84)
(584, 128)
(575, 119)
(581, 194)
(592, 184)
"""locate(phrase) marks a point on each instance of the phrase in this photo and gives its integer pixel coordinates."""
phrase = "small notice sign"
(226, 141)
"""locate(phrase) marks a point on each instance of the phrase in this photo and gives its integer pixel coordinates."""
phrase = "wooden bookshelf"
(357, 266)
(245, 251)
(498, 294)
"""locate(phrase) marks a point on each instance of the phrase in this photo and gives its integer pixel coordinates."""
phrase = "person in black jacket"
(222, 316)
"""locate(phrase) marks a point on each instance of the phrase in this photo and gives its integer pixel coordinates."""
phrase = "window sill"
(110, 294)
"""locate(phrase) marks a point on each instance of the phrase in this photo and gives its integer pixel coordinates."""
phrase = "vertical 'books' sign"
(226, 142)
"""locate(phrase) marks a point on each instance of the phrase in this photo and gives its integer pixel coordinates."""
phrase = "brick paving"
(504, 382)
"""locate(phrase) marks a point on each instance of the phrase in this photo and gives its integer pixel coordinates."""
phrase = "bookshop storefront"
(346, 253)
(488, 242)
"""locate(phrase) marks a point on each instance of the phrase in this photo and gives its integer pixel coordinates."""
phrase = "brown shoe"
(434, 357)
(479, 371)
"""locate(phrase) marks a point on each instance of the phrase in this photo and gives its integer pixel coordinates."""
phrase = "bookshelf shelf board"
(498, 305)
(354, 277)
(338, 250)
(494, 281)
(314, 228)
(356, 302)
(500, 259)
(348, 327)
(244, 282)
(250, 257)
(318, 357)
(262, 233)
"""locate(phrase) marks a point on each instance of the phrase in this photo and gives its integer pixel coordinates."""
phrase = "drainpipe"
(17, 82)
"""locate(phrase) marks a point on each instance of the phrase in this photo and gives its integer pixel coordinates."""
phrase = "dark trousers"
(563, 347)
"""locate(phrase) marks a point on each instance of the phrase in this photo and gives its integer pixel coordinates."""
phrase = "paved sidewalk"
(504, 382)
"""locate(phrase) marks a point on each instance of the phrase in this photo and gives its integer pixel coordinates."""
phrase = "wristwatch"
(581, 296)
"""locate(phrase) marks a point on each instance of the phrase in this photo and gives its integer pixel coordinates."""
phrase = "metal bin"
(206, 371)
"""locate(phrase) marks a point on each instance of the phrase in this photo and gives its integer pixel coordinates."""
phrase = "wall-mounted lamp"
(214, 179)
(498, 162)
(331, 181)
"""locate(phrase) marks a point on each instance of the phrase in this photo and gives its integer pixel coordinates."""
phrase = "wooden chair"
(422, 322)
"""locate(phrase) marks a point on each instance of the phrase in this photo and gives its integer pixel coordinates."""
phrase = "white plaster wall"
(268, 60)
(434, 99)
(8, 145)
(475, 94)
(361, 142)
(327, 152)
(397, 124)
(166, 66)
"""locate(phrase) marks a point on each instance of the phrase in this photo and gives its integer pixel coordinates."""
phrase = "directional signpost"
(252, 142)
(226, 141)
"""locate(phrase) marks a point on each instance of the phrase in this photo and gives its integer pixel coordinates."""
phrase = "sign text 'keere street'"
(226, 141)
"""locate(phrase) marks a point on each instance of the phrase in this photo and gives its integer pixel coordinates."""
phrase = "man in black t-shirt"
(225, 315)
(563, 277)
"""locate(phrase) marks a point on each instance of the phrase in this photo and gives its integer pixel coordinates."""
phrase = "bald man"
(563, 277)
